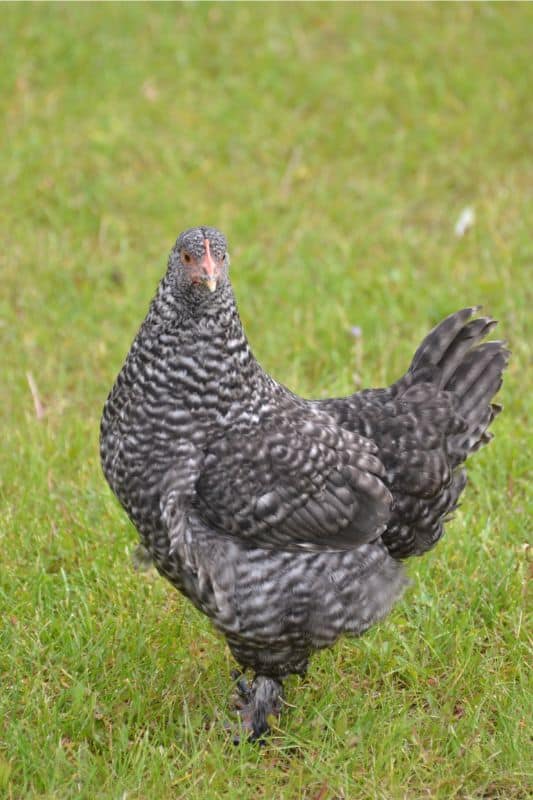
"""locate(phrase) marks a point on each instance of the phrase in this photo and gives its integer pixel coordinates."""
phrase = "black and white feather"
(285, 520)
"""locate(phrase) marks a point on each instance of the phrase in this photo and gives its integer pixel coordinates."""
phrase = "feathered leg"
(257, 702)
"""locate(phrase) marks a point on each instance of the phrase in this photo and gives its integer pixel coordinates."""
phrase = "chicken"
(285, 520)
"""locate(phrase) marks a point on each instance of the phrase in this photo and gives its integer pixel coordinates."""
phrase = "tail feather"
(428, 423)
(436, 343)
(471, 334)
(453, 377)
(469, 369)
(474, 372)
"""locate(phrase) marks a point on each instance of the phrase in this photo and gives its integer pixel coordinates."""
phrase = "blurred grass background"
(336, 145)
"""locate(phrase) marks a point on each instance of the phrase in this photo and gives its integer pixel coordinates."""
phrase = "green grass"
(336, 145)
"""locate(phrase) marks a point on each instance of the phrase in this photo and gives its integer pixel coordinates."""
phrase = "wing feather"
(296, 481)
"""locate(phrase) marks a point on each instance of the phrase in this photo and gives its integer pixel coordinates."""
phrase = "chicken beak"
(210, 268)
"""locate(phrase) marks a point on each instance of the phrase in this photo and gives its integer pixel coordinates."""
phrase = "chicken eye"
(186, 258)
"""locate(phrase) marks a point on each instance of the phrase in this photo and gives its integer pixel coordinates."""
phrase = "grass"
(336, 145)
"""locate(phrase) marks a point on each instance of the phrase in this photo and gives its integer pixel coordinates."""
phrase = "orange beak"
(210, 268)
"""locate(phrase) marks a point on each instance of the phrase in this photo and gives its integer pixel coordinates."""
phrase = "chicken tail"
(449, 389)
(454, 357)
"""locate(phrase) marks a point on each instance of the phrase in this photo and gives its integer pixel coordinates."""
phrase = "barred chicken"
(285, 520)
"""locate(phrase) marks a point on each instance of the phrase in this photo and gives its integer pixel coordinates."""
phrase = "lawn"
(336, 145)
